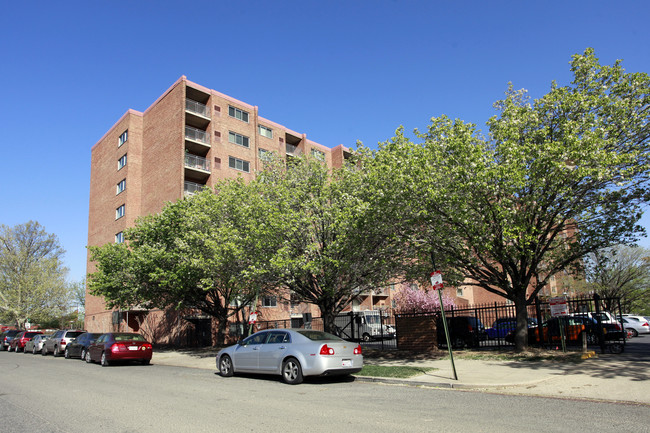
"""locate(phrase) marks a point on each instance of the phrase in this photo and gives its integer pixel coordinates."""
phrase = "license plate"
(346, 363)
(133, 347)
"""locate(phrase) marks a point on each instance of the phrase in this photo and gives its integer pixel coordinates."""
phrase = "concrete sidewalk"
(603, 377)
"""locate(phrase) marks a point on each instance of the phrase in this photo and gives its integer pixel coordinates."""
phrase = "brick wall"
(416, 333)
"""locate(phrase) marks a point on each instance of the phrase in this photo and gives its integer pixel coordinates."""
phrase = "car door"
(96, 349)
(246, 354)
(272, 352)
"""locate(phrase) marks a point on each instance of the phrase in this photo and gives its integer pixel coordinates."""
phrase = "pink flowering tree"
(413, 300)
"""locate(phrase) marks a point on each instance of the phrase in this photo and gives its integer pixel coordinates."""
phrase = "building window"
(459, 292)
(269, 301)
(238, 114)
(123, 138)
(239, 139)
(121, 186)
(265, 155)
(265, 132)
(239, 164)
(119, 238)
(119, 212)
(121, 162)
(318, 154)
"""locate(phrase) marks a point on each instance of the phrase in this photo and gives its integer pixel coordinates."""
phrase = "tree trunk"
(521, 332)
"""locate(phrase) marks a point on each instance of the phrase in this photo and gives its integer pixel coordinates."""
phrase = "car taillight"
(357, 350)
(326, 350)
(62, 342)
(119, 347)
(618, 327)
(646, 324)
(146, 346)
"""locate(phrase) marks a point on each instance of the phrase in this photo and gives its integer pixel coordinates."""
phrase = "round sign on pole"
(252, 318)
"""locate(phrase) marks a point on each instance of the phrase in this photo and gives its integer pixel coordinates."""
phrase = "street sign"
(436, 280)
(559, 306)
(252, 318)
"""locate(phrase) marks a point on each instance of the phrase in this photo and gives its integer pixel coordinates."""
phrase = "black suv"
(464, 331)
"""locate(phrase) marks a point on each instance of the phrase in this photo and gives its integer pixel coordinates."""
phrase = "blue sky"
(339, 71)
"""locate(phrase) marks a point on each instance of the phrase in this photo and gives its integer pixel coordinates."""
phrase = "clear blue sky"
(339, 71)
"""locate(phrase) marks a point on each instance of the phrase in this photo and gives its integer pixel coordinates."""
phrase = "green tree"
(205, 252)
(32, 275)
(558, 178)
(621, 272)
(332, 244)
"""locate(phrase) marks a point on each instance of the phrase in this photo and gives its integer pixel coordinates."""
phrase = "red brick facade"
(185, 139)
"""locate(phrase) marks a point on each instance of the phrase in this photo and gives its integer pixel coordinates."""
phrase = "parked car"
(574, 328)
(56, 345)
(292, 354)
(6, 337)
(635, 326)
(19, 341)
(78, 346)
(35, 344)
(119, 346)
(464, 331)
(503, 326)
(605, 316)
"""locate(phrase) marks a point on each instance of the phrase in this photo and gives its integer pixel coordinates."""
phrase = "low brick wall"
(416, 333)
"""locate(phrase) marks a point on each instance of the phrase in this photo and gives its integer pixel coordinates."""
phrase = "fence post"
(599, 324)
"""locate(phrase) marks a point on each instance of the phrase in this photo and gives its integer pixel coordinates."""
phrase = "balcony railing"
(197, 107)
(293, 149)
(191, 188)
(197, 135)
(199, 162)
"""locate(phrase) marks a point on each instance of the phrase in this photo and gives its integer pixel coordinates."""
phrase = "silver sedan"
(291, 353)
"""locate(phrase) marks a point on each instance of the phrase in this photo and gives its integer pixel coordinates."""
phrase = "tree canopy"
(206, 252)
(334, 244)
(557, 178)
(32, 275)
(621, 272)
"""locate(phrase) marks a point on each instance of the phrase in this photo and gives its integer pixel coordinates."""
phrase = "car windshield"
(372, 319)
(318, 335)
(73, 334)
(128, 337)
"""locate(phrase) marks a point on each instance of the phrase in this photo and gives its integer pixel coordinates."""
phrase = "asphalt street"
(49, 394)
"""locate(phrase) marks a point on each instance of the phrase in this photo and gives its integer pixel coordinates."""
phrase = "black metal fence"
(492, 325)
(488, 326)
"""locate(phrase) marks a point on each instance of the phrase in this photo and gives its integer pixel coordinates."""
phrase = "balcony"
(197, 141)
(293, 150)
(196, 168)
(197, 114)
(191, 188)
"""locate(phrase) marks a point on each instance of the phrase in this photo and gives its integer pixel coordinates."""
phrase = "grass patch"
(531, 355)
(400, 372)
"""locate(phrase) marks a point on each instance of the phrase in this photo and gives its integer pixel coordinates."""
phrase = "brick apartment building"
(190, 137)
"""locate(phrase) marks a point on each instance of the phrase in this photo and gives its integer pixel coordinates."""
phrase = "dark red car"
(18, 343)
(119, 346)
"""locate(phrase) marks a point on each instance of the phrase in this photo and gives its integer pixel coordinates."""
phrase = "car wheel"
(634, 332)
(83, 353)
(87, 358)
(616, 348)
(366, 336)
(291, 371)
(104, 362)
(146, 361)
(66, 354)
(225, 366)
(43, 351)
(56, 351)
